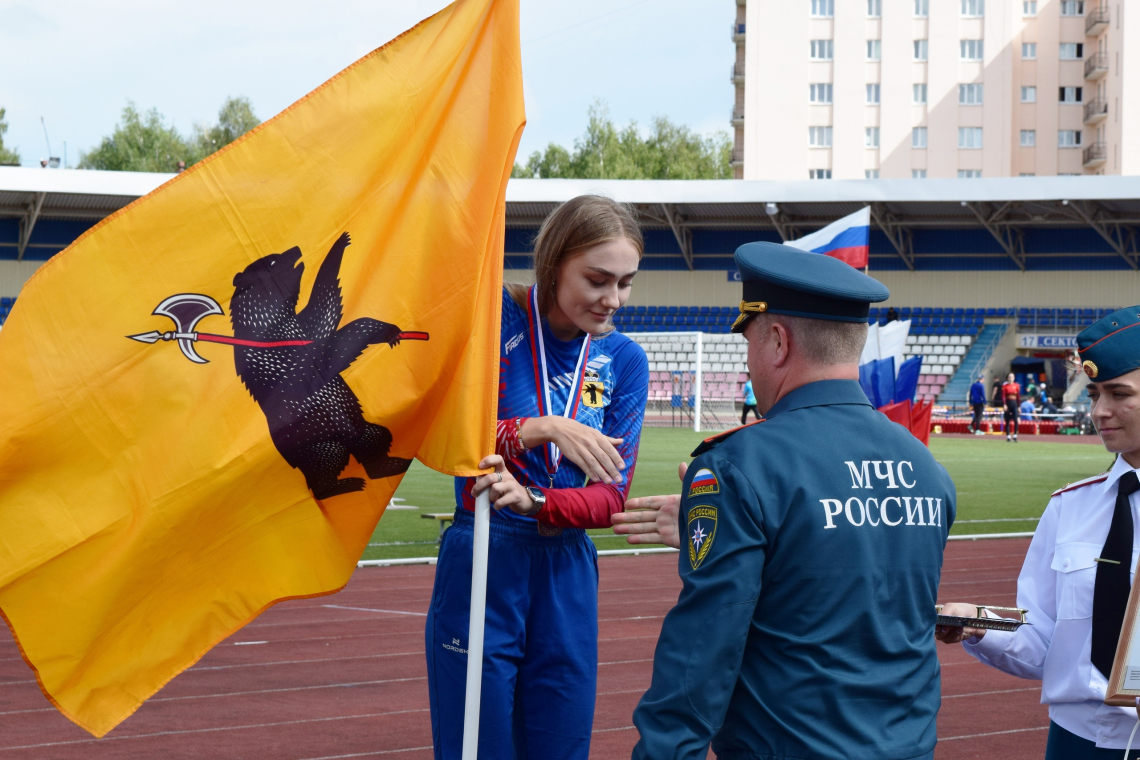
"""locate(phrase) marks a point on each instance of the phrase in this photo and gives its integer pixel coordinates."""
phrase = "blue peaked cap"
(1111, 347)
(779, 279)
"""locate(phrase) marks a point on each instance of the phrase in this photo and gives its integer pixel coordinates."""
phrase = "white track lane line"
(300, 662)
(220, 695)
(984, 693)
(369, 754)
(369, 609)
(992, 733)
(106, 739)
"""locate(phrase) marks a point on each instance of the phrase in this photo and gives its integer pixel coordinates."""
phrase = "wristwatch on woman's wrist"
(539, 499)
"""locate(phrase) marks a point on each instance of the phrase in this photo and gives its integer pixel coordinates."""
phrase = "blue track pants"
(540, 651)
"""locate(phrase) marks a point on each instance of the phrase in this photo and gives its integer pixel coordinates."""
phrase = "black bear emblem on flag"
(291, 363)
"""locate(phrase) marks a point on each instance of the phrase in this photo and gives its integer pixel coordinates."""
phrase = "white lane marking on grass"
(999, 519)
(300, 662)
(248, 643)
(992, 733)
(369, 609)
(211, 730)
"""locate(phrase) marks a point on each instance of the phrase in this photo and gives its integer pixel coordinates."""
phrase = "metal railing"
(1095, 109)
(738, 155)
(737, 115)
(1097, 62)
(1096, 17)
(736, 73)
(737, 30)
(1097, 153)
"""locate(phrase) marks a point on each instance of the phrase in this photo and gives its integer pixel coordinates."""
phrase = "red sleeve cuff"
(587, 507)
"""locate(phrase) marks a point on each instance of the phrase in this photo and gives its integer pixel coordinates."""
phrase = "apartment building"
(851, 89)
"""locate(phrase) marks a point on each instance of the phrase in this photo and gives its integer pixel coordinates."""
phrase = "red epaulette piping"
(727, 433)
(1081, 484)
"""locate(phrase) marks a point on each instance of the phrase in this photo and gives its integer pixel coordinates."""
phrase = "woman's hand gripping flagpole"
(475, 631)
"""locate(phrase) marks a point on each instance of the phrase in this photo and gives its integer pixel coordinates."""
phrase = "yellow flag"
(210, 397)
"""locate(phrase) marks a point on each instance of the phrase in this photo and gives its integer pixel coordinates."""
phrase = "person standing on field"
(811, 548)
(1011, 397)
(978, 404)
(749, 402)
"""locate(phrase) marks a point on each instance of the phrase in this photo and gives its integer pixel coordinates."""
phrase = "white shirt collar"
(1119, 467)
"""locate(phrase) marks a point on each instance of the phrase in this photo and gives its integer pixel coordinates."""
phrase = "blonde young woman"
(571, 403)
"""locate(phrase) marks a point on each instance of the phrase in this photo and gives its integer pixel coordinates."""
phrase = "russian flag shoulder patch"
(704, 482)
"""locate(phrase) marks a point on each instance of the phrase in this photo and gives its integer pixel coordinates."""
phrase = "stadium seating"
(6, 305)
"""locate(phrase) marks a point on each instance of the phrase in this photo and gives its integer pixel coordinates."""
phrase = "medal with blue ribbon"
(542, 380)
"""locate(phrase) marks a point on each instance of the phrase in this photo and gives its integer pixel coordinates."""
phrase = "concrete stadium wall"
(959, 289)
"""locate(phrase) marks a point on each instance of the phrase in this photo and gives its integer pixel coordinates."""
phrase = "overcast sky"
(76, 62)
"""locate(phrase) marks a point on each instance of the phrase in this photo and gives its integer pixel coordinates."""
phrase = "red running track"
(344, 677)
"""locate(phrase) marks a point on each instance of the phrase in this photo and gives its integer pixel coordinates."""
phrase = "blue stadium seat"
(991, 312)
(1003, 312)
(671, 310)
(937, 311)
(941, 331)
(1065, 312)
(704, 311)
(1024, 312)
(874, 311)
(957, 321)
(1064, 321)
(1024, 321)
(968, 312)
(926, 312)
(904, 312)
(650, 309)
(961, 312)
(638, 309)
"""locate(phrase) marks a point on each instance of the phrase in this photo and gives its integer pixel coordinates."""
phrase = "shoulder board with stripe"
(712, 441)
(1081, 484)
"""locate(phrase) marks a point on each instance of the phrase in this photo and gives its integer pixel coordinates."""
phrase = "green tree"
(7, 155)
(235, 118)
(606, 151)
(140, 143)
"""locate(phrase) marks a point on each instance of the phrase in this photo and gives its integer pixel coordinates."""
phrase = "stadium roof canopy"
(1037, 223)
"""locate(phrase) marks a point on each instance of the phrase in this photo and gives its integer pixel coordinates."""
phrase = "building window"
(871, 137)
(970, 137)
(1029, 8)
(919, 94)
(875, 8)
(823, 8)
(1072, 8)
(822, 50)
(1072, 51)
(1069, 138)
(1028, 94)
(1027, 174)
(874, 50)
(969, 174)
(969, 94)
(819, 137)
(973, 8)
(918, 137)
(873, 94)
(921, 8)
(1070, 94)
(819, 173)
(972, 50)
(1029, 51)
(918, 173)
(870, 174)
(1028, 138)
(820, 93)
(921, 50)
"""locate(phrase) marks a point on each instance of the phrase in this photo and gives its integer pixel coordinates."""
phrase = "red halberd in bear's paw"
(314, 418)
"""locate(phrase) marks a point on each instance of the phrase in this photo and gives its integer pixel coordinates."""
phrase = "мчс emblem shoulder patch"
(704, 482)
(701, 531)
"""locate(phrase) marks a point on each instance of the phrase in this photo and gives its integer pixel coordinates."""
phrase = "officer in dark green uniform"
(811, 548)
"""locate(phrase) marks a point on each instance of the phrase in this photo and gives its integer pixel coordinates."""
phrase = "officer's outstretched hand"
(651, 519)
(951, 634)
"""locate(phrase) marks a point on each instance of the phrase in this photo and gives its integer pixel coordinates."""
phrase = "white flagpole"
(475, 633)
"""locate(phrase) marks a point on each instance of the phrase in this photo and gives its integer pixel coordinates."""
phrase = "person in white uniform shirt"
(1078, 572)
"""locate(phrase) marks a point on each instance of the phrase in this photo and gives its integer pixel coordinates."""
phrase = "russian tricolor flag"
(848, 239)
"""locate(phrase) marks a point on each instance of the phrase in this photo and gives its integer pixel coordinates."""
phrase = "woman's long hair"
(576, 225)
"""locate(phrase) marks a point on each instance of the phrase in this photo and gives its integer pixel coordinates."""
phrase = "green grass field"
(995, 479)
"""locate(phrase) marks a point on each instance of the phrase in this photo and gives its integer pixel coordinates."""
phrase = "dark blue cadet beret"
(779, 279)
(1111, 347)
